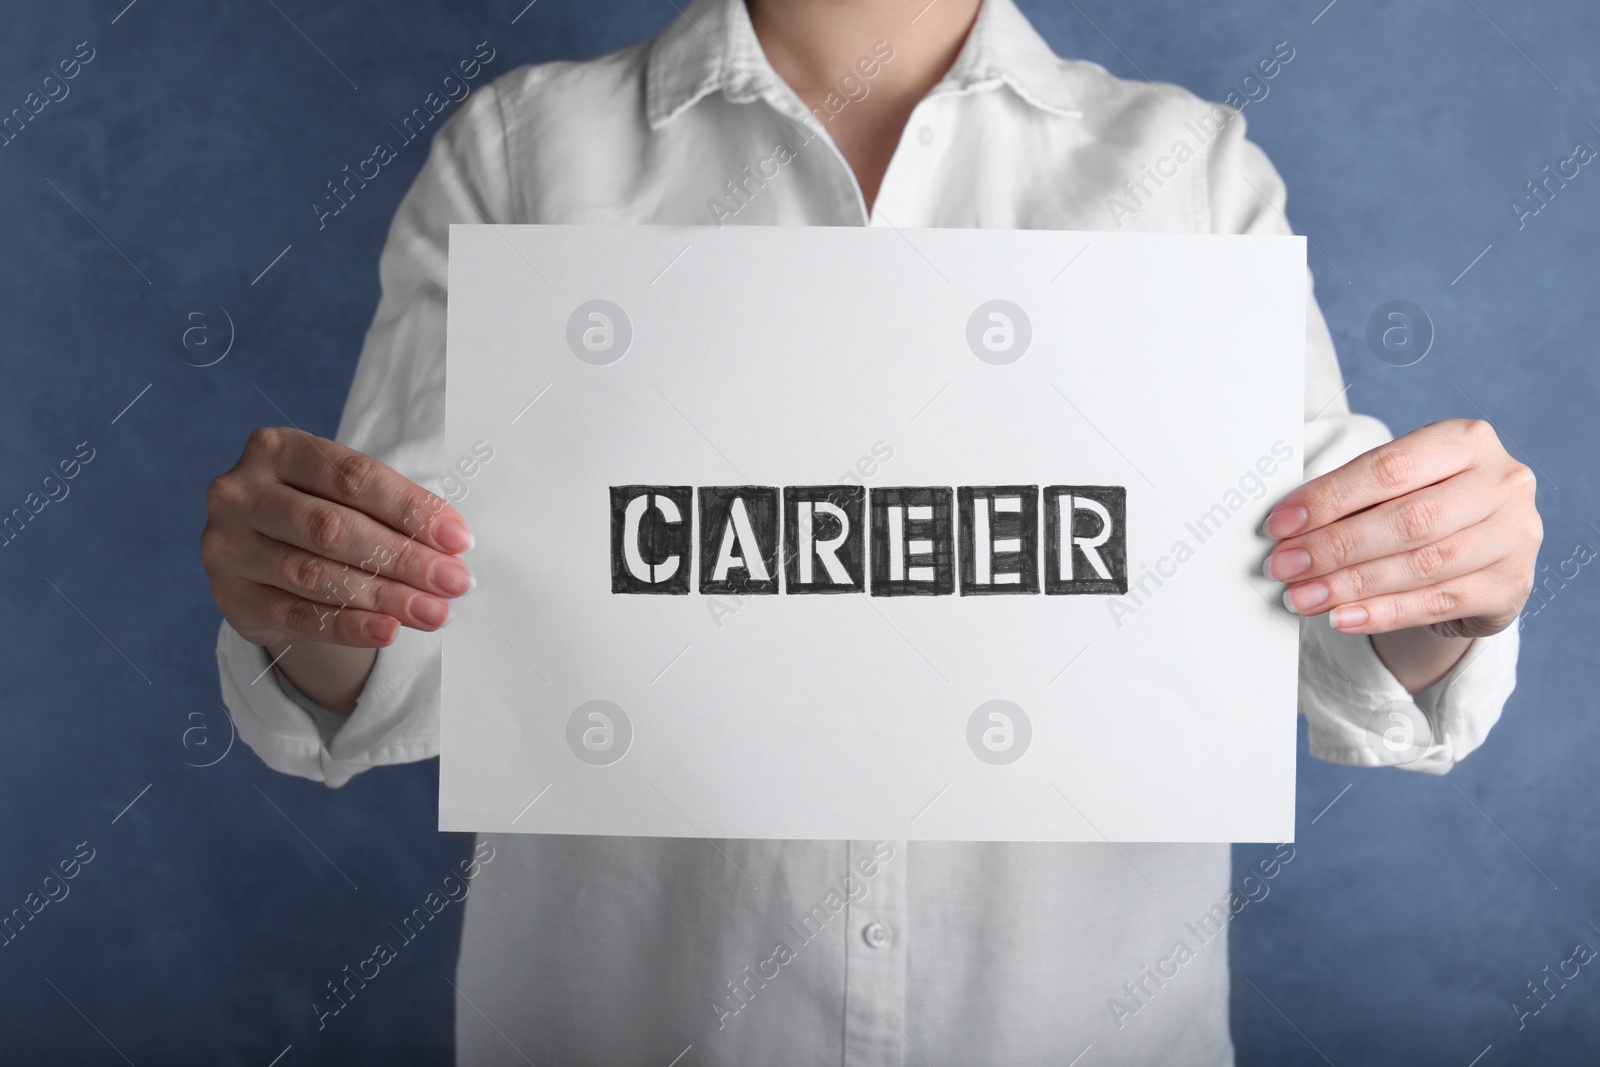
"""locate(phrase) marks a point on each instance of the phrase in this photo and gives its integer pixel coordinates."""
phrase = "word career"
(919, 541)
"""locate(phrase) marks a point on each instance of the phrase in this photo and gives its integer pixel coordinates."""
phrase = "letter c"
(647, 572)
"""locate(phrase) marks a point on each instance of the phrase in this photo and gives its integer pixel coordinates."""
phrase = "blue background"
(196, 140)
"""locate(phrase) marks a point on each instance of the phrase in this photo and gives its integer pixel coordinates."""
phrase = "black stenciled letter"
(824, 538)
(1085, 539)
(999, 539)
(651, 542)
(738, 539)
(913, 545)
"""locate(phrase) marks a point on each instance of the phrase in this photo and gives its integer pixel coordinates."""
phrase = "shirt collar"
(712, 47)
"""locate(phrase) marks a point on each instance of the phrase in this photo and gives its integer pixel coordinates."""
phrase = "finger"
(1480, 594)
(278, 616)
(350, 537)
(1409, 522)
(1462, 553)
(313, 577)
(1420, 458)
(332, 471)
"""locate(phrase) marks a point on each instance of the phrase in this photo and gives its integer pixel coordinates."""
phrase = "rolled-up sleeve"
(394, 412)
(1346, 692)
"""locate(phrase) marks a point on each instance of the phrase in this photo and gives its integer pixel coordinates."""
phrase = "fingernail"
(380, 628)
(1282, 566)
(453, 536)
(1302, 598)
(1286, 522)
(429, 610)
(1347, 618)
(451, 576)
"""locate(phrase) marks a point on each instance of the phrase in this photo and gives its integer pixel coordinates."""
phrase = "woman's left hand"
(1435, 529)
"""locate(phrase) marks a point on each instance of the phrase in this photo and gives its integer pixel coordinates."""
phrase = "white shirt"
(597, 950)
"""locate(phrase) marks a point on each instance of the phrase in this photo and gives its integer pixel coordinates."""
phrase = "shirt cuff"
(396, 719)
(1358, 713)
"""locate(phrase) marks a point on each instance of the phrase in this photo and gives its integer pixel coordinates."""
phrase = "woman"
(1419, 551)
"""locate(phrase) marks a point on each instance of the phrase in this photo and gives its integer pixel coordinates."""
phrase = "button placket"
(900, 191)
(875, 956)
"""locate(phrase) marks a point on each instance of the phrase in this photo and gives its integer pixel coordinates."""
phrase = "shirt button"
(925, 135)
(875, 934)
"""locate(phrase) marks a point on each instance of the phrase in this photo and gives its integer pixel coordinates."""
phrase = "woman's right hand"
(309, 541)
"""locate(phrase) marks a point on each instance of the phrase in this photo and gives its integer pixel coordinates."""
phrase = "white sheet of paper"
(1171, 365)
